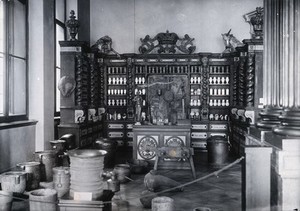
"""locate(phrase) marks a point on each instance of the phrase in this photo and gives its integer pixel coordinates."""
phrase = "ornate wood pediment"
(167, 43)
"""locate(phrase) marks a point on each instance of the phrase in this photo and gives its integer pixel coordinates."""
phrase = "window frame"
(7, 117)
(61, 24)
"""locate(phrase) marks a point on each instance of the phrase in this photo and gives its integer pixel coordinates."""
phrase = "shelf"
(219, 107)
(116, 84)
(221, 74)
(219, 84)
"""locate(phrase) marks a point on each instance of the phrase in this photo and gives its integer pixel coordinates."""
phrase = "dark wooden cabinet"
(79, 91)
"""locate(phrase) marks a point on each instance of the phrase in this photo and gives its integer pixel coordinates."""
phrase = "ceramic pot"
(109, 146)
(162, 203)
(43, 199)
(146, 198)
(122, 172)
(14, 181)
(86, 168)
(61, 180)
(33, 174)
(155, 182)
(6, 199)
(138, 166)
(47, 161)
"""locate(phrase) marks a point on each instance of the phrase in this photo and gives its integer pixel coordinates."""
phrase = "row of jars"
(196, 91)
(219, 92)
(116, 116)
(116, 91)
(195, 102)
(219, 69)
(117, 80)
(116, 102)
(195, 80)
(140, 91)
(219, 102)
(139, 80)
(116, 70)
(218, 80)
(218, 117)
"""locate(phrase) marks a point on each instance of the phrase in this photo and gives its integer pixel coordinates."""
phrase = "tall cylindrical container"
(217, 151)
(61, 180)
(109, 146)
(6, 199)
(162, 203)
(47, 161)
(86, 168)
(33, 174)
(43, 199)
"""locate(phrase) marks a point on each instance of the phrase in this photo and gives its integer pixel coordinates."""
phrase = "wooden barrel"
(86, 168)
(162, 203)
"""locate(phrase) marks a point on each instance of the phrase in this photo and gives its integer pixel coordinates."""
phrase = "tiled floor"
(222, 192)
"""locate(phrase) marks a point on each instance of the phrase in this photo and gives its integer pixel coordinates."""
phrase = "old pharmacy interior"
(159, 105)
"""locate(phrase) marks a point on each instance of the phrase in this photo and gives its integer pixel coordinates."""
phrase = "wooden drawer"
(115, 126)
(199, 126)
(115, 134)
(218, 127)
(198, 135)
(199, 144)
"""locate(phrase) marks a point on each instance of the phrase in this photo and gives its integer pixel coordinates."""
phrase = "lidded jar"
(61, 180)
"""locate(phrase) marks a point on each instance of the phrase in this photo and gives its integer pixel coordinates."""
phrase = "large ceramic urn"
(86, 168)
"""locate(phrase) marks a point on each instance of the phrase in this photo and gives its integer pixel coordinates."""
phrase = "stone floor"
(219, 193)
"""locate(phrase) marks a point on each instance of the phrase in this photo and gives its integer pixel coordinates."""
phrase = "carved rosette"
(81, 94)
(250, 81)
(102, 85)
(241, 82)
(93, 82)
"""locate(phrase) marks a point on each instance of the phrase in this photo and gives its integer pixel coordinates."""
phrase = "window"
(60, 34)
(13, 60)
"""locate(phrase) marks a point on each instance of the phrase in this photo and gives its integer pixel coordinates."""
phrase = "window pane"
(17, 27)
(60, 35)
(57, 106)
(1, 27)
(17, 86)
(1, 85)
(60, 10)
(1, 58)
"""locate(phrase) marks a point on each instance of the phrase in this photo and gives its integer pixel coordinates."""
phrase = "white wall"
(16, 146)
(41, 70)
(126, 21)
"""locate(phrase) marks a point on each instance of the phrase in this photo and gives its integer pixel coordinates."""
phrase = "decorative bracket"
(167, 43)
(103, 45)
